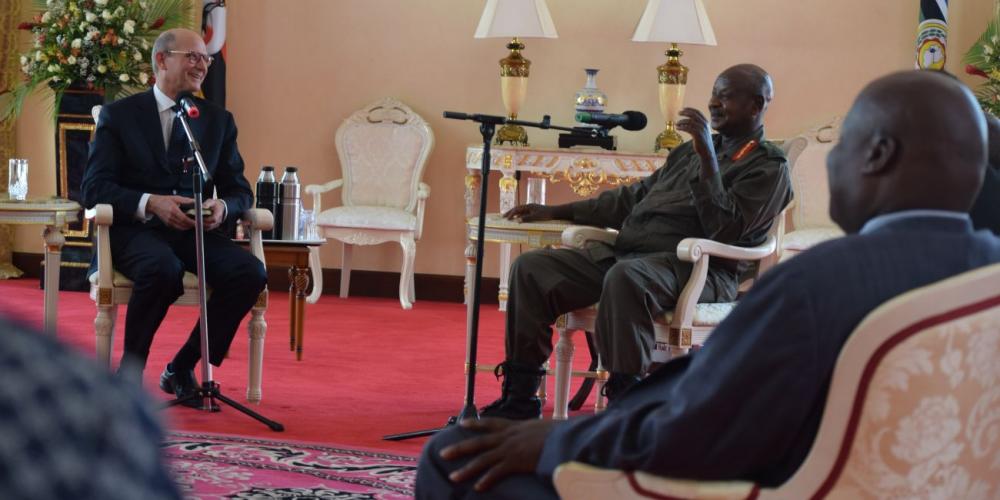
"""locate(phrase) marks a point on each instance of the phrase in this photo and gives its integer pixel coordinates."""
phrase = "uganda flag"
(932, 34)
(213, 30)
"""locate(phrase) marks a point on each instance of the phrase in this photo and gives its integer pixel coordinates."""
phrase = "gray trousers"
(630, 293)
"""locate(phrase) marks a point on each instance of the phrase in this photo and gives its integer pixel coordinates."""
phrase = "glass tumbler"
(536, 190)
(17, 185)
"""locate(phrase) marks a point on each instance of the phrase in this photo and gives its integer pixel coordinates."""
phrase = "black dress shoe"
(180, 384)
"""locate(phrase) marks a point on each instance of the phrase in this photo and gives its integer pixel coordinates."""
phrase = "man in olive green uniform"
(727, 187)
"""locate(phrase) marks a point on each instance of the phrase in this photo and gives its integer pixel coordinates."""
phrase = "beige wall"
(298, 68)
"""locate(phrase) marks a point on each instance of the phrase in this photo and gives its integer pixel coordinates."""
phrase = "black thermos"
(267, 197)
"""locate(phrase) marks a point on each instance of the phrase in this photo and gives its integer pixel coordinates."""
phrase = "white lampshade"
(516, 18)
(675, 21)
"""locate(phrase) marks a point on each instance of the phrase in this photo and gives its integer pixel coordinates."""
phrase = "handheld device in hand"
(188, 209)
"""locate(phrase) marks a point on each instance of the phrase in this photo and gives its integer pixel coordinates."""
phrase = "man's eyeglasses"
(194, 57)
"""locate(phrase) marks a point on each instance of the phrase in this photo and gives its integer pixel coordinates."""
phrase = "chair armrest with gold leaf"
(577, 236)
(317, 189)
(578, 481)
(103, 216)
(257, 220)
(423, 192)
(698, 251)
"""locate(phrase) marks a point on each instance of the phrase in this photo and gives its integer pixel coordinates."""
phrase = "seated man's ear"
(882, 150)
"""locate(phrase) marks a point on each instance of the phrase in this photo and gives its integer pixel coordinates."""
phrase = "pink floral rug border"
(216, 466)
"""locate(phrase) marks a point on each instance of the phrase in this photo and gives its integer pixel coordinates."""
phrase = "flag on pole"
(213, 30)
(932, 34)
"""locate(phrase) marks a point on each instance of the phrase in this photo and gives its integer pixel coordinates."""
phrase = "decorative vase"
(74, 129)
(590, 99)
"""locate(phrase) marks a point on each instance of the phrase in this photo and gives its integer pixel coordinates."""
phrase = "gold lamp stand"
(673, 79)
(513, 88)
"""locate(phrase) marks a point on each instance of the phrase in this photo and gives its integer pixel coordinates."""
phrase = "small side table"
(509, 232)
(295, 255)
(54, 214)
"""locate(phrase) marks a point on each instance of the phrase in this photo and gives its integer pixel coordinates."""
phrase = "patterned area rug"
(209, 466)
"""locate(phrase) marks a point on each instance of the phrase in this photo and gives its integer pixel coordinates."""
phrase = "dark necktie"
(177, 149)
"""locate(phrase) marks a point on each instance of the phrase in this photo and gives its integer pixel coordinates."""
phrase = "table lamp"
(515, 19)
(673, 21)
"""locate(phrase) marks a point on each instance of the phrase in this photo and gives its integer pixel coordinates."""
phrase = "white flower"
(46, 17)
(53, 68)
(143, 78)
(101, 3)
(102, 68)
(48, 3)
(76, 43)
(84, 62)
(90, 16)
(24, 60)
(71, 60)
(143, 5)
(56, 78)
(39, 56)
(987, 50)
(137, 55)
(129, 27)
(145, 45)
(90, 35)
(123, 78)
(119, 11)
(106, 14)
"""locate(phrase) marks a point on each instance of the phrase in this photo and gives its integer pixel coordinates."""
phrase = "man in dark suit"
(748, 405)
(136, 165)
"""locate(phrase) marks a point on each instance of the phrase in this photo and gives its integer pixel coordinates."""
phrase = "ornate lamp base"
(668, 139)
(513, 134)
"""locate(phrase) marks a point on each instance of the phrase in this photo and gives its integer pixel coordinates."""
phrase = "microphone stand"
(209, 390)
(487, 126)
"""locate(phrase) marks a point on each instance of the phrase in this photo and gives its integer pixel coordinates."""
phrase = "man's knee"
(161, 272)
(624, 277)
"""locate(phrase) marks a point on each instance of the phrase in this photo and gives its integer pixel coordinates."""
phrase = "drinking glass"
(536, 190)
(307, 225)
(17, 185)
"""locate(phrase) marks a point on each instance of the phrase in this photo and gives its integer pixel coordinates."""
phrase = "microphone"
(186, 101)
(629, 120)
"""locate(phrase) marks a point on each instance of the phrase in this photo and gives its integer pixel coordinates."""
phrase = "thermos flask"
(291, 203)
(267, 197)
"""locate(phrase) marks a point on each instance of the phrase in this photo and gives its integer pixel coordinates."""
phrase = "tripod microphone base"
(209, 392)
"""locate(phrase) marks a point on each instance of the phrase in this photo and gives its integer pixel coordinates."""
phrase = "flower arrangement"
(94, 44)
(983, 59)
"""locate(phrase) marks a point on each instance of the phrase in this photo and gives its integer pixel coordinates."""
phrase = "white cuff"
(140, 211)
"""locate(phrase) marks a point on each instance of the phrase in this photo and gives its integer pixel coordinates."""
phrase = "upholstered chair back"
(383, 149)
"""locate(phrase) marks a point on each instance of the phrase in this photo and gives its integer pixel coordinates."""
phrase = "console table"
(585, 170)
(54, 214)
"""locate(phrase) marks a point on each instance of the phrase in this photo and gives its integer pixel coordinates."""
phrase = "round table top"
(50, 204)
(497, 221)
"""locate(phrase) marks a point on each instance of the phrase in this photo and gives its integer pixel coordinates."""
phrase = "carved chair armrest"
(577, 236)
(257, 220)
(318, 189)
(575, 480)
(423, 192)
(103, 216)
(699, 250)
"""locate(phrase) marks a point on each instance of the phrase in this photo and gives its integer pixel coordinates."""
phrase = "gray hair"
(163, 43)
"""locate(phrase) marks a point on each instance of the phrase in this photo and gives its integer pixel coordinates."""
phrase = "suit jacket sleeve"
(744, 210)
(104, 165)
(723, 412)
(229, 180)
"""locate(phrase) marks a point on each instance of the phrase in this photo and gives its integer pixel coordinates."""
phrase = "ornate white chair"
(383, 149)
(810, 221)
(109, 289)
(911, 412)
(689, 323)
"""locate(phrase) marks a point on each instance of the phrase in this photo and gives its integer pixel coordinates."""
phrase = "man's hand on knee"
(503, 448)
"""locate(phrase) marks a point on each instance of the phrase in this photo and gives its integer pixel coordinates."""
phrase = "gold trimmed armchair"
(911, 411)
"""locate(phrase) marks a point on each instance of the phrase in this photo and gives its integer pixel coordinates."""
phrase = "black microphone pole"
(209, 390)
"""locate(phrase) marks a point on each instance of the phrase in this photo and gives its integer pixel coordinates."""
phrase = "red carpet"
(369, 367)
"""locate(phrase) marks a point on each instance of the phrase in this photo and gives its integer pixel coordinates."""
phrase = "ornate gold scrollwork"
(585, 177)
(104, 296)
(679, 337)
(508, 184)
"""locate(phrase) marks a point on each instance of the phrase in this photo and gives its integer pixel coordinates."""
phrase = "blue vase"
(590, 99)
